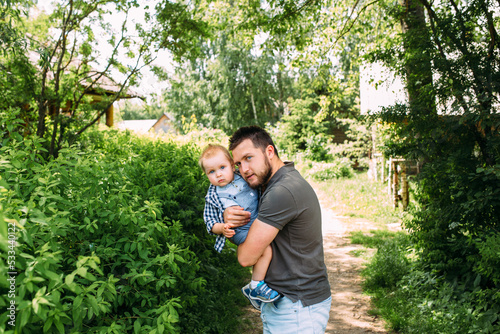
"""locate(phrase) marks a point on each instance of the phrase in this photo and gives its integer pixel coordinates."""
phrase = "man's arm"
(260, 235)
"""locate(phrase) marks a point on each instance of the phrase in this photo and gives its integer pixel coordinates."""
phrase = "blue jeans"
(286, 317)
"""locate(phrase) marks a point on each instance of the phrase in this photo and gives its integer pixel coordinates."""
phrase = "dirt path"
(350, 307)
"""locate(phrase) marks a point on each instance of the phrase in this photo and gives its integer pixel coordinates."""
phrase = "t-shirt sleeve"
(277, 207)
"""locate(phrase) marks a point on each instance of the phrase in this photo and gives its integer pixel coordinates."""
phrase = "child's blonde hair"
(210, 150)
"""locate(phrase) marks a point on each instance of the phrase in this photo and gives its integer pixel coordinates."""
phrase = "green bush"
(389, 264)
(425, 303)
(111, 240)
(328, 171)
(358, 146)
(300, 132)
(455, 224)
(413, 300)
(376, 238)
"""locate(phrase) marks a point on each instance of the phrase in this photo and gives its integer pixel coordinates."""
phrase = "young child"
(230, 189)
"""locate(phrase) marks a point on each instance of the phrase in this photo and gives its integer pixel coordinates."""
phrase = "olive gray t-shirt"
(297, 269)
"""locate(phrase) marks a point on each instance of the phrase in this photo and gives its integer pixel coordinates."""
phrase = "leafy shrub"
(358, 146)
(413, 300)
(299, 132)
(111, 240)
(328, 171)
(456, 221)
(134, 111)
(201, 136)
(425, 303)
(488, 259)
(389, 264)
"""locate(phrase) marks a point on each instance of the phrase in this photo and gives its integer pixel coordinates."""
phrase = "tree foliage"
(451, 123)
(231, 83)
(137, 111)
(74, 63)
(258, 59)
(463, 140)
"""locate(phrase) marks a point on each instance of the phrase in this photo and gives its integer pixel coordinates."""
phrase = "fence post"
(382, 172)
(404, 187)
(389, 177)
(395, 183)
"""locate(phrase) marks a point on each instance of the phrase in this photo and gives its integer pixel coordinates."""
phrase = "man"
(289, 220)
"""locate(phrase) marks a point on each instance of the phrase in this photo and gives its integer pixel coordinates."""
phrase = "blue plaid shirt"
(214, 213)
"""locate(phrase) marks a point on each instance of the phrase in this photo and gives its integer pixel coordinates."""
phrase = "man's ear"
(270, 151)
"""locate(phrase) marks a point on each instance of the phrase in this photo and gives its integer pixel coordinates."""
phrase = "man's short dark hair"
(259, 137)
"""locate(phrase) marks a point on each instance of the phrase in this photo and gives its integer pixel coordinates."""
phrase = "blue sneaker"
(264, 293)
(246, 292)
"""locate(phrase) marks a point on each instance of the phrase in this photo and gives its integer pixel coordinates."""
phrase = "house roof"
(140, 126)
(108, 86)
(104, 85)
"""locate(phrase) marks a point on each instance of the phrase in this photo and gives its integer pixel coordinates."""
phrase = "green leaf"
(47, 324)
(137, 326)
(60, 326)
(93, 303)
(52, 276)
(35, 305)
(69, 279)
(78, 314)
(82, 271)
(78, 301)
(24, 317)
(477, 281)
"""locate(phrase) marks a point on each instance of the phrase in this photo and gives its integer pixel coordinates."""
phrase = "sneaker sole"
(254, 302)
(264, 300)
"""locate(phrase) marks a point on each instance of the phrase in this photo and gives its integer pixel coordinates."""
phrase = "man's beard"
(263, 179)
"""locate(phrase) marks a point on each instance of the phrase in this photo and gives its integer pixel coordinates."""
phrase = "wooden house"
(164, 123)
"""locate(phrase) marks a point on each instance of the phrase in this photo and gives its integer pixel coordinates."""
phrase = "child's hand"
(227, 231)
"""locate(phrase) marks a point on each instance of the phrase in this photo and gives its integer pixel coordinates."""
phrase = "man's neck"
(275, 166)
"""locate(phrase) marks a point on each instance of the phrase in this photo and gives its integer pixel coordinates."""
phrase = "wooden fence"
(395, 172)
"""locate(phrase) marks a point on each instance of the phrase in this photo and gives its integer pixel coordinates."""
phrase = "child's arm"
(219, 228)
(212, 217)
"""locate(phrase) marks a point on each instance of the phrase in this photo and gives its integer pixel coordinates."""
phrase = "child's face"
(218, 169)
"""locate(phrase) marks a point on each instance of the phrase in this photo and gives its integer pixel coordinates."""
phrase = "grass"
(360, 197)
(358, 252)
(373, 239)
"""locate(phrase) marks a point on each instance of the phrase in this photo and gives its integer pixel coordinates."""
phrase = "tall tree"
(236, 84)
(233, 82)
(417, 47)
(459, 184)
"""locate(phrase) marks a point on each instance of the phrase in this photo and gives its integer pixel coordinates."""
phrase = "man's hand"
(236, 216)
